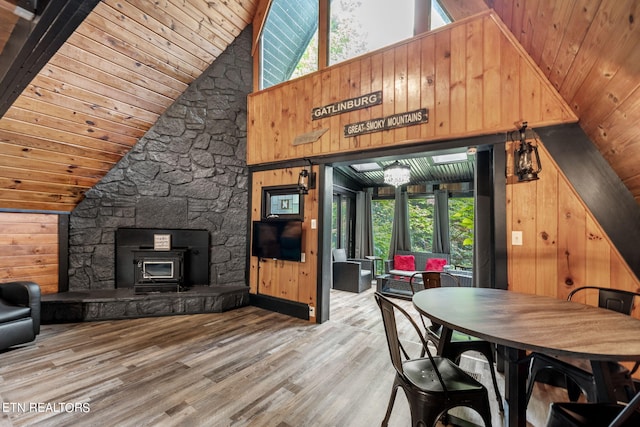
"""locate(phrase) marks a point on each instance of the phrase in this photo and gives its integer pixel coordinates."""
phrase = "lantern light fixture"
(306, 179)
(526, 160)
(397, 174)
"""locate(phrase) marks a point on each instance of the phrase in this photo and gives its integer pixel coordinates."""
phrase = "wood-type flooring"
(245, 367)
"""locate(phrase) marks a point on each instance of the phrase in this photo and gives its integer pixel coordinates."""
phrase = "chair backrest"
(431, 279)
(613, 299)
(434, 279)
(340, 255)
(396, 349)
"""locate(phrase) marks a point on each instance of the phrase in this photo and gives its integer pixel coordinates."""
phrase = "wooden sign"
(385, 123)
(309, 137)
(347, 105)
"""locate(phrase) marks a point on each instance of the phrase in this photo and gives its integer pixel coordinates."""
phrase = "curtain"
(364, 224)
(441, 242)
(400, 237)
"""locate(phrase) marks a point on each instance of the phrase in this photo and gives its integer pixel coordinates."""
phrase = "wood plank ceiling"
(130, 59)
(103, 89)
(590, 51)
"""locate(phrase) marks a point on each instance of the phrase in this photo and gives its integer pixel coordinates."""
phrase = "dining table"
(523, 322)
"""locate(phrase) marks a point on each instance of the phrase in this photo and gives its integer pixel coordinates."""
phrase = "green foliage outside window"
(421, 224)
(461, 220)
(382, 218)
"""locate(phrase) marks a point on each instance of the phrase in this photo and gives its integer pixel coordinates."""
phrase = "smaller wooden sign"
(385, 123)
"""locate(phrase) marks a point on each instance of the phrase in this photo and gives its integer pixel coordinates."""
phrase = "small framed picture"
(162, 242)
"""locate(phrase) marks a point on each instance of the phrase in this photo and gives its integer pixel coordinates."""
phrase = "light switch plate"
(516, 238)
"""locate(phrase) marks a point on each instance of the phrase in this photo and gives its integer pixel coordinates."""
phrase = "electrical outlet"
(516, 238)
(312, 311)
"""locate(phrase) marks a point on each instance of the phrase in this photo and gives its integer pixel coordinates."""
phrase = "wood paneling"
(293, 281)
(589, 51)
(102, 90)
(473, 77)
(29, 249)
(563, 245)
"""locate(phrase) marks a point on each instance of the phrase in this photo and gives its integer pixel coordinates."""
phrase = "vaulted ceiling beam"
(58, 21)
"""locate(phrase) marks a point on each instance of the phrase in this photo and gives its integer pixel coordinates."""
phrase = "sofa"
(421, 260)
(351, 274)
(19, 313)
(395, 280)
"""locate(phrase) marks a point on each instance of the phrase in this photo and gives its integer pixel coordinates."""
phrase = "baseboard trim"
(279, 305)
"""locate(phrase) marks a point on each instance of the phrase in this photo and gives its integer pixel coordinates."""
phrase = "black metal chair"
(571, 414)
(351, 274)
(576, 379)
(460, 343)
(433, 385)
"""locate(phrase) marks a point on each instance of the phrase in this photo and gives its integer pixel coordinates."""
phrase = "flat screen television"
(277, 240)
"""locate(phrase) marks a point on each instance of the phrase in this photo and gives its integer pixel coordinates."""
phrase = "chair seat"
(9, 313)
(571, 414)
(421, 374)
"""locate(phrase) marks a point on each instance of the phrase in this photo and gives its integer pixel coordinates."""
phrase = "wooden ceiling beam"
(56, 24)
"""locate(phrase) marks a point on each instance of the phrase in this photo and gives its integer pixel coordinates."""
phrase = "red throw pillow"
(404, 262)
(435, 264)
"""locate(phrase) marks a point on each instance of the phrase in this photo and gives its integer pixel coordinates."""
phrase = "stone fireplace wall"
(188, 171)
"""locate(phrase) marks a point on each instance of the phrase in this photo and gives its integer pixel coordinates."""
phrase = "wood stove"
(152, 259)
(156, 271)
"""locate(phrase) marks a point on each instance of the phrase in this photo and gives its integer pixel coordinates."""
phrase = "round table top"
(533, 322)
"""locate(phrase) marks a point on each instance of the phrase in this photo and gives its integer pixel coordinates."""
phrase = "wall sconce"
(526, 160)
(306, 179)
(397, 174)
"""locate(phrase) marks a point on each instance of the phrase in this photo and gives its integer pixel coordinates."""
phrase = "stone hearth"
(108, 304)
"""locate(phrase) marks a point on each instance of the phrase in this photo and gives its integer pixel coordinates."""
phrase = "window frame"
(422, 15)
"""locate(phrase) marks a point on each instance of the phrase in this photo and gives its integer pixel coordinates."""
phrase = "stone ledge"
(83, 306)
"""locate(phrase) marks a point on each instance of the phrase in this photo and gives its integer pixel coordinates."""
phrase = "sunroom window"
(358, 27)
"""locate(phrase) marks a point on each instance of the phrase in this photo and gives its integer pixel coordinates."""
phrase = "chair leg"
(573, 390)
(530, 383)
(488, 354)
(423, 413)
(535, 367)
(492, 369)
(485, 412)
(392, 400)
(574, 385)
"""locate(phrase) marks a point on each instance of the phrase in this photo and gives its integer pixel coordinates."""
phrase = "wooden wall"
(472, 76)
(293, 281)
(563, 245)
(29, 249)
